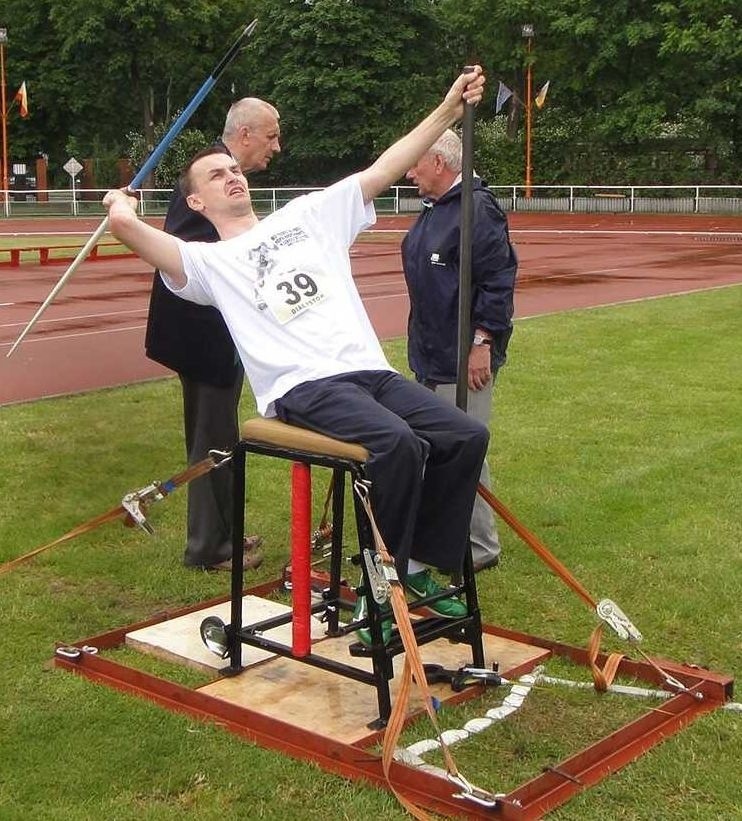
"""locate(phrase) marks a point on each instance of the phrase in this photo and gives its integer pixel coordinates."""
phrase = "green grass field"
(617, 438)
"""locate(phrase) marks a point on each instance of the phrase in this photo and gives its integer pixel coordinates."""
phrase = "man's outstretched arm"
(156, 247)
(403, 154)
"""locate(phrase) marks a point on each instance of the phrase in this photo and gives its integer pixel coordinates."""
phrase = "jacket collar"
(453, 192)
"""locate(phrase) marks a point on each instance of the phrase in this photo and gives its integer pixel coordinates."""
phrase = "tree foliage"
(640, 92)
(347, 77)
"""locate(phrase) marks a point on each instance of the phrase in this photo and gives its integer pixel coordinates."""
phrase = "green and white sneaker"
(422, 585)
(364, 633)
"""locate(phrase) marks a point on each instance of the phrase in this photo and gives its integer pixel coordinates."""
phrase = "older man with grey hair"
(430, 256)
(193, 341)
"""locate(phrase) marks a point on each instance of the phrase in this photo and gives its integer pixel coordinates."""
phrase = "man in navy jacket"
(193, 341)
(430, 256)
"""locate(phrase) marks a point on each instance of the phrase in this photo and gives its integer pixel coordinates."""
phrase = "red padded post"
(301, 553)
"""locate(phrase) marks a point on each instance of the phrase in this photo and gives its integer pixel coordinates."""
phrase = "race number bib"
(290, 293)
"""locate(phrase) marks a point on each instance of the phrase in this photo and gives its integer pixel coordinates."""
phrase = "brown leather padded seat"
(273, 432)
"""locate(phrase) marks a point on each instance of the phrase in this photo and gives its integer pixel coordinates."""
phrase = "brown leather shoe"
(252, 543)
(252, 558)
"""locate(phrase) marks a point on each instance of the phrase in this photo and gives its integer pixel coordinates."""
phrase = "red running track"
(92, 336)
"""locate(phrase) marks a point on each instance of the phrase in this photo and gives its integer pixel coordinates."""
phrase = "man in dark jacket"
(193, 341)
(430, 256)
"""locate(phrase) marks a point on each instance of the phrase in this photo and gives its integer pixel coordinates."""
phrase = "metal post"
(467, 200)
(4, 113)
(528, 34)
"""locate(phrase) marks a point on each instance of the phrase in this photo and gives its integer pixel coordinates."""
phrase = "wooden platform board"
(299, 694)
(179, 639)
(340, 708)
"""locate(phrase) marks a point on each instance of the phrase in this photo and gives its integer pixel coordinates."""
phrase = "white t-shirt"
(286, 292)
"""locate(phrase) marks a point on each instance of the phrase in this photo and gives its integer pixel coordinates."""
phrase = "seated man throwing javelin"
(285, 290)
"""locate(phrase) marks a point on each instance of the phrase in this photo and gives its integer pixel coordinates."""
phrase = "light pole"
(528, 33)
(4, 110)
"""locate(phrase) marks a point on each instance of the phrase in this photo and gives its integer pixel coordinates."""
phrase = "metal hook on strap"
(133, 503)
(381, 576)
(469, 792)
(220, 457)
(617, 620)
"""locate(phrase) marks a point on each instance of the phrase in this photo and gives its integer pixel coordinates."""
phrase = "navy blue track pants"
(425, 457)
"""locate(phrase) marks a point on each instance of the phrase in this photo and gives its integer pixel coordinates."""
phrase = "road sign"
(72, 167)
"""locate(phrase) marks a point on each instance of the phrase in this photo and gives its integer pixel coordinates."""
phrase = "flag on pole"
(22, 99)
(541, 96)
(503, 95)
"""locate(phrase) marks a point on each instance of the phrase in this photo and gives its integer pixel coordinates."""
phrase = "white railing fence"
(403, 199)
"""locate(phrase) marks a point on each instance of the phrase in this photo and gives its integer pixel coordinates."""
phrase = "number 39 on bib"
(289, 294)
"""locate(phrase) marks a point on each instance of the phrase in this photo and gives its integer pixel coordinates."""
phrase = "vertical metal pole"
(474, 627)
(4, 110)
(529, 91)
(467, 201)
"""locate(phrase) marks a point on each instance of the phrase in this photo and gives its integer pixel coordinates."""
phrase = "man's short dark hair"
(184, 181)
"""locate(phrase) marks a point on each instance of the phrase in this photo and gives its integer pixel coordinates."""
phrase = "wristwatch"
(481, 340)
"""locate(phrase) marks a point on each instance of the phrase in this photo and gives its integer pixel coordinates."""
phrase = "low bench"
(46, 258)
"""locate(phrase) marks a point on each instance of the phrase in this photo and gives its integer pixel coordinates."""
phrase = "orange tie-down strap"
(138, 500)
(602, 678)
(413, 670)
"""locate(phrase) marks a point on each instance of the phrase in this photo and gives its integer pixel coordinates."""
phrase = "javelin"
(149, 165)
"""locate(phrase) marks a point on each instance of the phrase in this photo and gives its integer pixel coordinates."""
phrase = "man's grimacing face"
(217, 185)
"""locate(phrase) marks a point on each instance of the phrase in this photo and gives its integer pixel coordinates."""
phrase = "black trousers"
(425, 457)
(210, 421)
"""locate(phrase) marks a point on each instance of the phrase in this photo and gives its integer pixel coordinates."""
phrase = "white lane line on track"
(617, 231)
(29, 340)
(6, 304)
(543, 277)
(621, 231)
(74, 317)
(620, 302)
